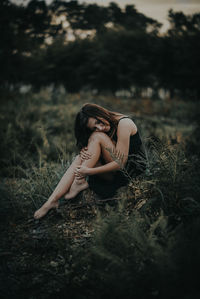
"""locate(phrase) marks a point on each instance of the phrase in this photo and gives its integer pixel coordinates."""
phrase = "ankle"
(80, 182)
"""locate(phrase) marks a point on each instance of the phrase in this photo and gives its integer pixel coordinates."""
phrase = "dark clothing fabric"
(135, 165)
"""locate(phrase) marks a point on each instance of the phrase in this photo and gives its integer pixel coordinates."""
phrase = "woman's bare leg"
(61, 189)
(97, 145)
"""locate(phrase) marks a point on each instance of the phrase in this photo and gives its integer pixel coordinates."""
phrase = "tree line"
(88, 46)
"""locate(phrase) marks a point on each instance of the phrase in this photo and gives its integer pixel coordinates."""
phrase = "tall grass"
(146, 246)
(172, 177)
(34, 128)
(38, 145)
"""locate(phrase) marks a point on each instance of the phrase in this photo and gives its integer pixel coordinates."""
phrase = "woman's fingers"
(84, 149)
(84, 154)
(82, 170)
(85, 157)
(78, 175)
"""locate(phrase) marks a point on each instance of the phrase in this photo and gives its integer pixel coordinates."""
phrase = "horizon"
(155, 9)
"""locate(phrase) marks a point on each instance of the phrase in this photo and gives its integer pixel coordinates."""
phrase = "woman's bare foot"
(76, 187)
(45, 208)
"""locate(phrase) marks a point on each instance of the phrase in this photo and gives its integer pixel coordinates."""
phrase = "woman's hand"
(84, 154)
(82, 171)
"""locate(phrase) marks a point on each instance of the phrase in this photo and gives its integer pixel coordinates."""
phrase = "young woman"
(107, 142)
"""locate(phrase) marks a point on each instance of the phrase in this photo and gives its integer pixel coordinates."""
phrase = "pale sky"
(156, 9)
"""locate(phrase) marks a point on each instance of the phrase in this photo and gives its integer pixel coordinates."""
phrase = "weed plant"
(171, 177)
(33, 131)
(35, 187)
(146, 246)
(168, 182)
(131, 257)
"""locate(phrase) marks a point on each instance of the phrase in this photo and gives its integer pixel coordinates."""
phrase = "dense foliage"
(85, 46)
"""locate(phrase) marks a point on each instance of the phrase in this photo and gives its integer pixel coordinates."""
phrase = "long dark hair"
(82, 133)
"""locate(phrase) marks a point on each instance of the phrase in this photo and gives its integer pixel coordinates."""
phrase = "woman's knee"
(99, 137)
(105, 143)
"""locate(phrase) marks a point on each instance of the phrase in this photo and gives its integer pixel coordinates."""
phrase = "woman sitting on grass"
(100, 133)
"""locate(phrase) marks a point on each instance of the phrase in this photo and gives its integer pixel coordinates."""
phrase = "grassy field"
(143, 243)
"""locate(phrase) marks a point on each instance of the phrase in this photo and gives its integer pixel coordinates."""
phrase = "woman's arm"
(126, 128)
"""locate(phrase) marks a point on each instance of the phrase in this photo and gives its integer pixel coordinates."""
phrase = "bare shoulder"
(127, 124)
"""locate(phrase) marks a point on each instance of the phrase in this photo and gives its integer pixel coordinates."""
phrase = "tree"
(23, 30)
(181, 47)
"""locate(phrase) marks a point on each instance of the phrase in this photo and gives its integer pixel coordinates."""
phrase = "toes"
(37, 215)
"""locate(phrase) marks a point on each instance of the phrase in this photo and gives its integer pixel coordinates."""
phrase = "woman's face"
(98, 124)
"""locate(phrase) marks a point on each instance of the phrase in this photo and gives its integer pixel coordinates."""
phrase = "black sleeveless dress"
(135, 165)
